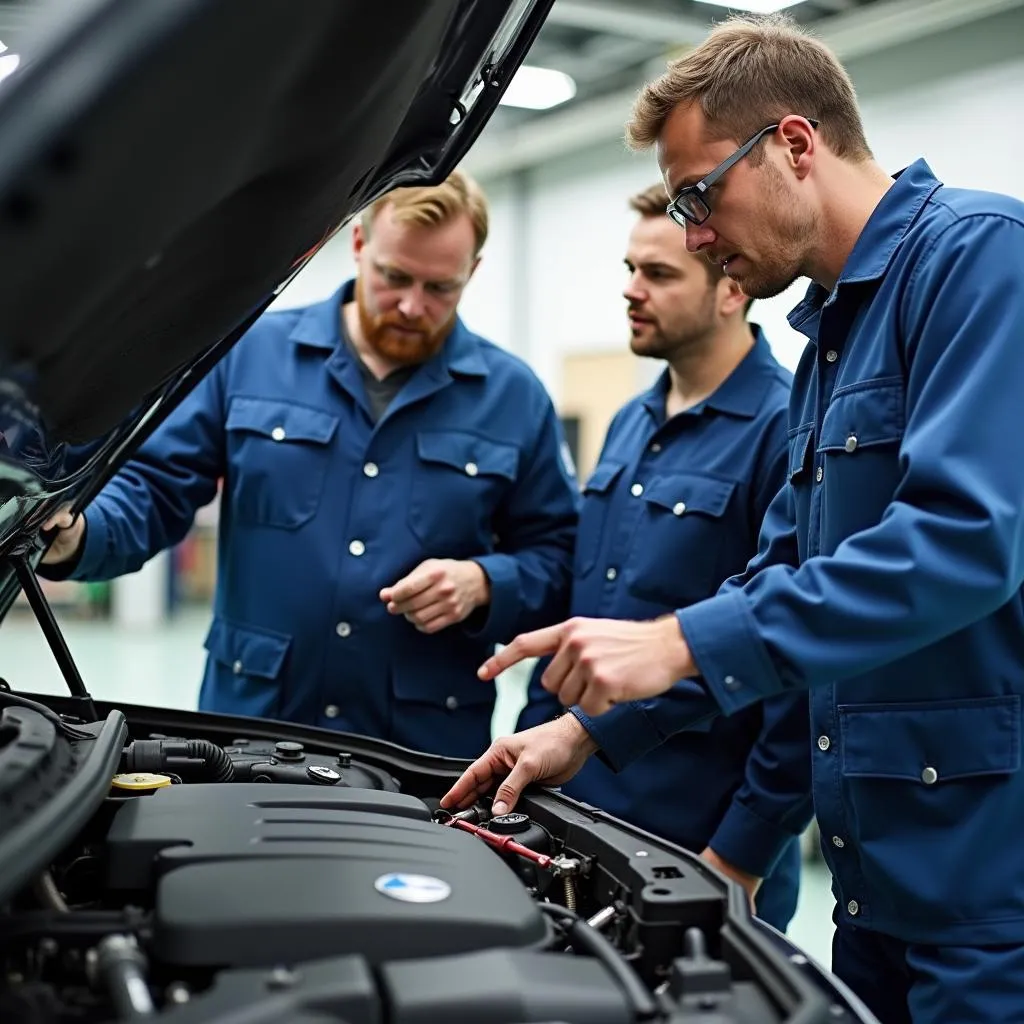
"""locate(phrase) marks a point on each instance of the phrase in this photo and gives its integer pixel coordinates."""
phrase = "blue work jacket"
(321, 508)
(889, 575)
(672, 508)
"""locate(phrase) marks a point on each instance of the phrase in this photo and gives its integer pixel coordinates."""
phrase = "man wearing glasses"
(673, 507)
(889, 578)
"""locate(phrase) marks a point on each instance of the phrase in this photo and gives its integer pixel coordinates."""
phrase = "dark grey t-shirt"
(380, 393)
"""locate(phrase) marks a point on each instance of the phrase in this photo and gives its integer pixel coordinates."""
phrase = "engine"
(215, 878)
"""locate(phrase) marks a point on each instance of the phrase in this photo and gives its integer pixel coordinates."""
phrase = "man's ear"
(797, 136)
(358, 239)
(730, 297)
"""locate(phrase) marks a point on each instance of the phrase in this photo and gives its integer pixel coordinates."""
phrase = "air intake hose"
(192, 760)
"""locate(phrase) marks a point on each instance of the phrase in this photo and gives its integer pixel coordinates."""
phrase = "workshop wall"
(953, 99)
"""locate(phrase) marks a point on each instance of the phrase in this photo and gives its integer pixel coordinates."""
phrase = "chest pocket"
(684, 538)
(459, 480)
(278, 457)
(594, 510)
(859, 454)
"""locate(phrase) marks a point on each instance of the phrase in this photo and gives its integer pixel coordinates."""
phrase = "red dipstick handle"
(502, 842)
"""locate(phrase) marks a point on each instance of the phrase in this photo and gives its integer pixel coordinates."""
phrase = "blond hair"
(433, 205)
(751, 72)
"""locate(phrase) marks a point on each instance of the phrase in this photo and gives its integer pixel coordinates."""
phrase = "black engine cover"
(257, 874)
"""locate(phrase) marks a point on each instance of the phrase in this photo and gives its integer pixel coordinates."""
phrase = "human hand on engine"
(598, 663)
(750, 883)
(71, 530)
(438, 593)
(550, 754)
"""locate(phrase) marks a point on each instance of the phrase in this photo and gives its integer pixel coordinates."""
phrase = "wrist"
(677, 656)
(481, 590)
(577, 733)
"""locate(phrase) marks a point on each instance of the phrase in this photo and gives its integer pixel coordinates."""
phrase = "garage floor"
(163, 667)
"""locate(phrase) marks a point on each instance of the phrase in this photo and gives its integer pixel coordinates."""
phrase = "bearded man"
(395, 497)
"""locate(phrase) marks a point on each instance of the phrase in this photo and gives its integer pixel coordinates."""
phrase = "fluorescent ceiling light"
(9, 62)
(754, 6)
(538, 88)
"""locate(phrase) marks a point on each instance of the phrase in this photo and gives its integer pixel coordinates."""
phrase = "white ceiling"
(610, 47)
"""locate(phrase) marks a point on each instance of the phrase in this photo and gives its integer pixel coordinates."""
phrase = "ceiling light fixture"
(538, 88)
(754, 6)
(8, 62)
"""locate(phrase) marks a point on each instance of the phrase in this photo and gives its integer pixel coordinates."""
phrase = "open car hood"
(167, 168)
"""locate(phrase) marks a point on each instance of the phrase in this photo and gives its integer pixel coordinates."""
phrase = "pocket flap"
(799, 450)
(683, 493)
(468, 453)
(931, 742)
(251, 652)
(603, 476)
(869, 414)
(423, 684)
(280, 420)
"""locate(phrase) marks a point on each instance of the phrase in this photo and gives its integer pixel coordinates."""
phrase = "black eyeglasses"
(691, 206)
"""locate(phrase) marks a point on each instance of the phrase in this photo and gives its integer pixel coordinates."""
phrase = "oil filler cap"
(140, 782)
(509, 824)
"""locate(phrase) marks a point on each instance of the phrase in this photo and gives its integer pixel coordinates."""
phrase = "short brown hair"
(749, 73)
(651, 202)
(431, 205)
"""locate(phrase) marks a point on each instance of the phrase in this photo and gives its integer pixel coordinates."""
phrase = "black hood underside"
(168, 165)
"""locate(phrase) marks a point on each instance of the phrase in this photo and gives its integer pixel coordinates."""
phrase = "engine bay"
(194, 868)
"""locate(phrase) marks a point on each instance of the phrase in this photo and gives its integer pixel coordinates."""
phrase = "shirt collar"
(885, 230)
(319, 327)
(740, 394)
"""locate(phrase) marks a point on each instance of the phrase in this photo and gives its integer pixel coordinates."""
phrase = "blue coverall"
(889, 585)
(322, 507)
(672, 508)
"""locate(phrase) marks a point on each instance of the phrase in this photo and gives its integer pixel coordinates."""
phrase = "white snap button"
(611, 574)
(357, 548)
(679, 508)
(929, 776)
(851, 443)
(343, 629)
(831, 355)
(824, 743)
(371, 470)
(837, 842)
(237, 668)
(853, 907)
(821, 472)
(636, 490)
(451, 703)
(332, 711)
(277, 433)
(472, 469)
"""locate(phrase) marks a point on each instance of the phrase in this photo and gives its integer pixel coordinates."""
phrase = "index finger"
(476, 779)
(526, 645)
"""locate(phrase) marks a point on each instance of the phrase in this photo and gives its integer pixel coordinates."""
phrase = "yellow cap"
(140, 780)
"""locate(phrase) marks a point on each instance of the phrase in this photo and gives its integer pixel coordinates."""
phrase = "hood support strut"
(54, 637)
